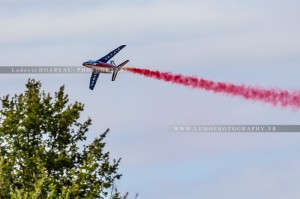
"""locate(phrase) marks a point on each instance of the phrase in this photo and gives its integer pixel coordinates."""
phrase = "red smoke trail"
(274, 96)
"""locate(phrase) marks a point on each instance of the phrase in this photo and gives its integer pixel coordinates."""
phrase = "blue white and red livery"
(101, 66)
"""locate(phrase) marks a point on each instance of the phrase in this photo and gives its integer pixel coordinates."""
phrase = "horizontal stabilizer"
(123, 64)
(117, 70)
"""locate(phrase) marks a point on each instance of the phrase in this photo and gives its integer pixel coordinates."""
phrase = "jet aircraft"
(101, 66)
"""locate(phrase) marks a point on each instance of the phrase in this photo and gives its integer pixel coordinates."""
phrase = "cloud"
(253, 175)
(255, 42)
(107, 20)
(154, 20)
(212, 32)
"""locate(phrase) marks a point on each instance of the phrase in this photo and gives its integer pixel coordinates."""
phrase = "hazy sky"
(251, 42)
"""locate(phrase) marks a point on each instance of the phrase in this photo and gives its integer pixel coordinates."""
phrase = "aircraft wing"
(93, 79)
(110, 55)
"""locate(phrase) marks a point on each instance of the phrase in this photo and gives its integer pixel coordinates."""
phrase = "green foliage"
(39, 153)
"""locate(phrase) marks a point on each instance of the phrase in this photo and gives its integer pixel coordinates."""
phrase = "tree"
(40, 155)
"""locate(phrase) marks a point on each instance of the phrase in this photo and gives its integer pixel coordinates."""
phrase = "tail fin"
(117, 70)
(112, 62)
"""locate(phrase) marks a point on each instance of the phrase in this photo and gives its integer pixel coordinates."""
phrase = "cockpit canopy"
(89, 62)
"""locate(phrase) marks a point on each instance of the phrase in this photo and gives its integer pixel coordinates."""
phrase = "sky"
(252, 42)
